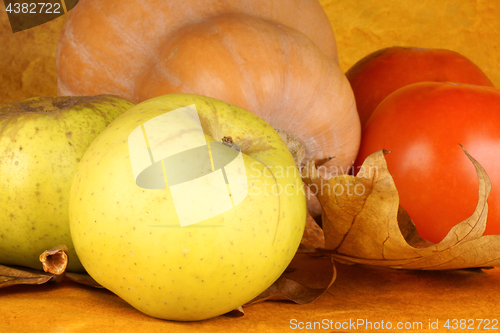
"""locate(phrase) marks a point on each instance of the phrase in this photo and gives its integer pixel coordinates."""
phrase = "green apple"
(187, 207)
(42, 140)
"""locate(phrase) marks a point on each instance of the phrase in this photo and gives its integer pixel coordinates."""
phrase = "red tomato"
(423, 125)
(379, 73)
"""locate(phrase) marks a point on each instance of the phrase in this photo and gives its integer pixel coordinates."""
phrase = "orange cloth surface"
(359, 293)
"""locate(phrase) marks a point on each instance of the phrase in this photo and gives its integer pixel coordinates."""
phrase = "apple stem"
(55, 260)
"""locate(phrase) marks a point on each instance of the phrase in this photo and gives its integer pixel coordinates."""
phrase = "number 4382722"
(485, 324)
(34, 8)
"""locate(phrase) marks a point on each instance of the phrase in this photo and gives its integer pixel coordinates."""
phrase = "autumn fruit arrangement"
(202, 163)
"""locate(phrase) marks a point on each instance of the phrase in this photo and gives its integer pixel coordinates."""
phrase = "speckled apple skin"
(42, 140)
(129, 240)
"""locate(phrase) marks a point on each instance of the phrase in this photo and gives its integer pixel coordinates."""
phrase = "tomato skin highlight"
(423, 124)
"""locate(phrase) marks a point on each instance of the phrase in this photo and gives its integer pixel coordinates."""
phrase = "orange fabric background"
(359, 293)
(470, 27)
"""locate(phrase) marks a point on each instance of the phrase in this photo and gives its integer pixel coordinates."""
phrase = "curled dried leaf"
(236, 313)
(313, 205)
(83, 278)
(10, 276)
(306, 278)
(313, 236)
(363, 223)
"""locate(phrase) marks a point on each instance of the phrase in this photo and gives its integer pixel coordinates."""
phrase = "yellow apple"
(187, 207)
(42, 139)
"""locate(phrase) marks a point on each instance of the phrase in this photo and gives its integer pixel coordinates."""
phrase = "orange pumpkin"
(268, 68)
(105, 44)
(288, 82)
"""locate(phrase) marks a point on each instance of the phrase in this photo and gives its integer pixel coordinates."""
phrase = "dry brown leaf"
(54, 263)
(313, 236)
(313, 204)
(363, 223)
(306, 278)
(409, 230)
(236, 313)
(10, 276)
(83, 278)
